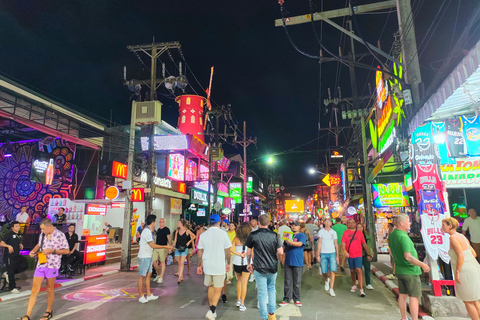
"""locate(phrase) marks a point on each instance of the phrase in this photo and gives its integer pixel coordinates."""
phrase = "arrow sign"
(326, 180)
(290, 310)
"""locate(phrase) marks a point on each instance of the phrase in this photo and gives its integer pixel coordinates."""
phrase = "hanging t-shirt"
(423, 144)
(436, 241)
(430, 203)
(471, 135)
(440, 140)
(454, 138)
(426, 177)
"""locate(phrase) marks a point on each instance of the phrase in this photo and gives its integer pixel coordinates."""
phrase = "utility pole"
(409, 48)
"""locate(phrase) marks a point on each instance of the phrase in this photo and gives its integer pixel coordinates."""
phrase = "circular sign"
(351, 210)
(226, 211)
(112, 193)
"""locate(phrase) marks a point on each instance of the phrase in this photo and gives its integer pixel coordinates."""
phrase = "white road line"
(187, 304)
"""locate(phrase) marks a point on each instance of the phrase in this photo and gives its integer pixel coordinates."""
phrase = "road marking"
(371, 306)
(85, 306)
(187, 304)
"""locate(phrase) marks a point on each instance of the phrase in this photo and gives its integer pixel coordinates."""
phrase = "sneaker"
(283, 303)
(242, 308)
(160, 280)
(224, 298)
(353, 289)
(391, 277)
(272, 317)
(327, 285)
(369, 287)
(143, 300)
(298, 303)
(252, 278)
(14, 290)
(229, 282)
(238, 303)
(152, 297)
(332, 293)
(210, 315)
(5, 275)
(156, 278)
(362, 293)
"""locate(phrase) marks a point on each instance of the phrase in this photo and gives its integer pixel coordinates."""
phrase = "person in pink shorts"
(52, 245)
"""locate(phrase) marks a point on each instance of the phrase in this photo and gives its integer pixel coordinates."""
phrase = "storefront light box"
(176, 167)
(390, 195)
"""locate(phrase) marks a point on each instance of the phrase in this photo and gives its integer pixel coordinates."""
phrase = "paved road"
(115, 297)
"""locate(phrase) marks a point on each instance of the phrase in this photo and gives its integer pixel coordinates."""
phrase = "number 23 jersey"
(436, 241)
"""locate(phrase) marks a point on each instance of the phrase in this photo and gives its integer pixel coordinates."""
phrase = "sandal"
(47, 315)
(25, 316)
(175, 274)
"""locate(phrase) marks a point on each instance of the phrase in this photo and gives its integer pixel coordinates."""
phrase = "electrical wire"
(455, 25)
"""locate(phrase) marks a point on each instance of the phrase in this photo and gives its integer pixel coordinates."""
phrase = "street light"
(270, 160)
(312, 171)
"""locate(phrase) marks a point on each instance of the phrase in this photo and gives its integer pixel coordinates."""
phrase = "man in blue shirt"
(293, 265)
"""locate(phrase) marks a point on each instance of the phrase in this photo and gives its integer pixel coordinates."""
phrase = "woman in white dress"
(467, 269)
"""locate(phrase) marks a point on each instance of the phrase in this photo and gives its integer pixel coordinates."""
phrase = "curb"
(394, 288)
(64, 284)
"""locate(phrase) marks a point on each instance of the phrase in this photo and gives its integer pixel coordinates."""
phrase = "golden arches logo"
(138, 195)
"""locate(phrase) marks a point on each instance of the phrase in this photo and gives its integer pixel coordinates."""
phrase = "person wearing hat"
(225, 225)
(213, 250)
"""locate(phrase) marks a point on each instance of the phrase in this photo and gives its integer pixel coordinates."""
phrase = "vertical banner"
(175, 206)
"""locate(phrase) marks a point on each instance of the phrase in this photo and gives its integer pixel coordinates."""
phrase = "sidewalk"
(26, 278)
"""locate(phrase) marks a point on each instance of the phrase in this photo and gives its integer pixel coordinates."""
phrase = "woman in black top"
(183, 238)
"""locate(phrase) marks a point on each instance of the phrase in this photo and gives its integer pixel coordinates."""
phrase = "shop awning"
(458, 94)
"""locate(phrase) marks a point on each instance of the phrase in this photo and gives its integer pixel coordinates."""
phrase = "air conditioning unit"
(148, 112)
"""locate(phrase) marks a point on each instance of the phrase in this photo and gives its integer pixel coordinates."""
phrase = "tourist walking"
(407, 267)
(327, 254)
(340, 228)
(239, 251)
(145, 258)
(52, 245)
(293, 268)
(213, 251)
(467, 269)
(267, 247)
(163, 239)
(183, 237)
(352, 243)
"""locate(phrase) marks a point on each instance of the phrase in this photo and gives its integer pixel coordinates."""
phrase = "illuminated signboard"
(138, 195)
(236, 191)
(250, 185)
(407, 180)
(336, 156)
(201, 212)
(464, 173)
(117, 205)
(223, 164)
(112, 193)
(390, 195)
(204, 172)
(178, 142)
(95, 249)
(119, 170)
(388, 138)
(42, 169)
(335, 180)
(294, 206)
(159, 182)
(182, 187)
(191, 170)
(175, 206)
(201, 198)
(176, 167)
(96, 209)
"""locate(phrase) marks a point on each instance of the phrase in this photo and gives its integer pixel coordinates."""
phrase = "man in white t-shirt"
(328, 247)
(213, 250)
(472, 224)
(145, 262)
(23, 216)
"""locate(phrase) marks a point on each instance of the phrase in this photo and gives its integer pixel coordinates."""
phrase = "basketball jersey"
(471, 135)
(429, 202)
(454, 138)
(426, 177)
(436, 241)
(439, 137)
(423, 145)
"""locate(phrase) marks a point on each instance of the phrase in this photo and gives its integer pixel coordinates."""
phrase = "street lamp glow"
(311, 171)
(270, 160)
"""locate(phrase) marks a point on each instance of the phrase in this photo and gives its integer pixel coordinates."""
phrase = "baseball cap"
(226, 221)
(214, 218)
(296, 222)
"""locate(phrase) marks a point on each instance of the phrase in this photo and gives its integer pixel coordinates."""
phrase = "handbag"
(42, 257)
(182, 248)
(308, 243)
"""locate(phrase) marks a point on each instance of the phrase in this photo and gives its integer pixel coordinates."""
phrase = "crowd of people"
(256, 250)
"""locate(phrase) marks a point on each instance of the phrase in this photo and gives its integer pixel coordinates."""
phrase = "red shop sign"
(96, 209)
(95, 249)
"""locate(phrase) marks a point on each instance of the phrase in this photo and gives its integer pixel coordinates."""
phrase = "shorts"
(181, 253)
(45, 272)
(354, 263)
(218, 281)
(159, 254)
(410, 285)
(328, 262)
(308, 250)
(145, 266)
(239, 269)
(190, 250)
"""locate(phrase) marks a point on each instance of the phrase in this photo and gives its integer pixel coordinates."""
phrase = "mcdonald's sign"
(182, 187)
(119, 170)
(138, 195)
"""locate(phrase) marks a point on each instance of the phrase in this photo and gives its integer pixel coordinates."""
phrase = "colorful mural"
(16, 188)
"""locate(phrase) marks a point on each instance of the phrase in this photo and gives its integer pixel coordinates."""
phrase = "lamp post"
(271, 187)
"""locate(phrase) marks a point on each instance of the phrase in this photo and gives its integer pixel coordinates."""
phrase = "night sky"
(75, 51)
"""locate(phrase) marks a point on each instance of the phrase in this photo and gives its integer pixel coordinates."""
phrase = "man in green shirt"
(340, 228)
(407, 266)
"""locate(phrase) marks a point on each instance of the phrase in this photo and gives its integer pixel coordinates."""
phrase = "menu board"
(73, 210)
(95, 248)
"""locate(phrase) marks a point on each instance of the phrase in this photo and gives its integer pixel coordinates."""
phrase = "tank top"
(237, 260)
(471, 135)
(439, 137)
(182, 239)
(454, 138)
(423, 144)
(430, 202)
(426, 178)
(436, 241)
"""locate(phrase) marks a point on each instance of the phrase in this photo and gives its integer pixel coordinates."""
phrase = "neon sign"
(138, 195)
(191, 170)
(176, 167)
(390, 195)
(119, 170)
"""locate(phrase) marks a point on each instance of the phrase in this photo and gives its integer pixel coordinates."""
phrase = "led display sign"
(42, 169)
(119, 170)
(390, 195)
(138, 195)
(95, 249)
(250, 185)
(176, 167)
(96, 209)
(191, 170)
(236, 191)
(294, 206)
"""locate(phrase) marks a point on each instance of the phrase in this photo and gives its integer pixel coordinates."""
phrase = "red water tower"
(190, 119)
